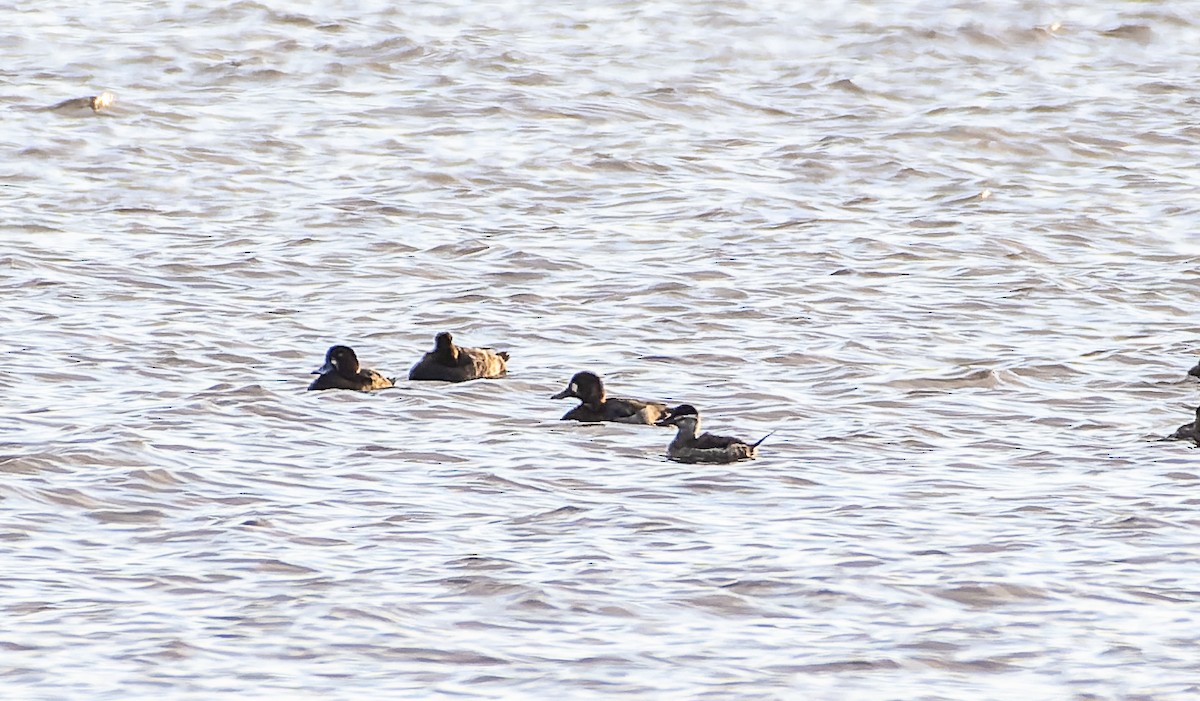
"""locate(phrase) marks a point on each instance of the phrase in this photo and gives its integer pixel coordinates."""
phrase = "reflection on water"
(948, 252)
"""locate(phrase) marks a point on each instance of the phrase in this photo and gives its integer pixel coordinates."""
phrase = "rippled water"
(949, 251)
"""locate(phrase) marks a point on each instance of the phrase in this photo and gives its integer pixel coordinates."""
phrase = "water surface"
(948, 251)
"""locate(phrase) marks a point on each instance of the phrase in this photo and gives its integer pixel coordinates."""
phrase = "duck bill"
(667, 420)
(563, 394)
(327, 367)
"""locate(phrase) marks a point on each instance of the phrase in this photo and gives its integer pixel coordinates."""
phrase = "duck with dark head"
(450, 363)
(706, 447)
(596, 405)
(341, 371)
(1187, 432)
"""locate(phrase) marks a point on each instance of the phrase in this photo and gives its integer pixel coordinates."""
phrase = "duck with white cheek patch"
(706, 447)
(341, 371)
(595, 405)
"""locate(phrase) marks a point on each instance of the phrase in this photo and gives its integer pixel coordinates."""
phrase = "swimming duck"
(1187, 432)
(450, 363)
(1195, 372)
(341, 371)
(688, 447)
(595, 406)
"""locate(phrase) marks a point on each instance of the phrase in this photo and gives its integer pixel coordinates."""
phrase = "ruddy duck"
(341, 371)
(450, 363)
(595, 406)
(1187, 432)
(688, 447)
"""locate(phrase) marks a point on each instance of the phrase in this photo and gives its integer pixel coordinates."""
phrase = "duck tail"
(503, 354)
(760, 440)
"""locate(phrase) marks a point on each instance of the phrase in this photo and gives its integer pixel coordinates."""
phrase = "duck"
(1195, 371)
(450, 363)
(691, 448)
(596, 406)
(341, 371)
(1187, 432)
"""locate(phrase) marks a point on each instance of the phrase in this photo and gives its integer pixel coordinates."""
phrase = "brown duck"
(450, 363)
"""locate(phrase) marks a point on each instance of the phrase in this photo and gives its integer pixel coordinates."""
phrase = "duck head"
(685, 416)
(586, 386)
(339, 359)
(444, 348)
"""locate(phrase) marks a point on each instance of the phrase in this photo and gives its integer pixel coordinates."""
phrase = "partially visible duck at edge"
(450, 363)
(1195, 371)
(341, 371)
(596, 406)
(1187, 432)
(692, 448)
